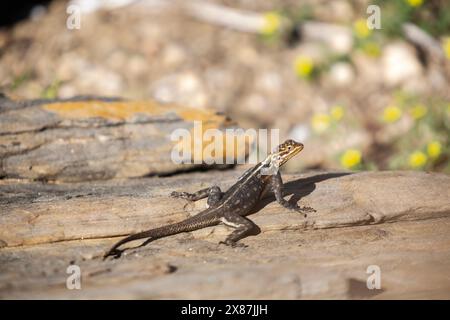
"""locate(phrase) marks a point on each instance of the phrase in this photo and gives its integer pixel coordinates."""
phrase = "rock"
(137, 66)
(96, 138)
(185, 88)
(325, 148)
(300, 132)
(341, 74)
(269, 82)
(368, 69)
(173, 55)
(87, 76)
(400, 64)
(395, 130)
(256, 106)
(338, 38)
(398, 221)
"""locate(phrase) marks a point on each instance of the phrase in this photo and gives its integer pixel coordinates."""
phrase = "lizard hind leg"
(201, 194)
(244, 227)
(214, 196)
(277, 187)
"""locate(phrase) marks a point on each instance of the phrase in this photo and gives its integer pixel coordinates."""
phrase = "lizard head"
(286, 151)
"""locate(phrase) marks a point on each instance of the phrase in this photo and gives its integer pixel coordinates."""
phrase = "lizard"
(230, 207)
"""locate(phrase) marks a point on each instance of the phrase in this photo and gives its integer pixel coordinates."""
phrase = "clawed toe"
(181, 195)
(233, 244)
(175, 194)
(113, 253)
(306, 209)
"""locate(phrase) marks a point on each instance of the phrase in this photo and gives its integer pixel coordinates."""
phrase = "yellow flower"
(446, 47)
(415, 3)
(272, 23)
(351, 158)
(417, 159)
(320, 122)
(361, 29)
(434, 149)
(337, 112)
(391, 114)
(372, 49)
(418, 111)
(304, 66)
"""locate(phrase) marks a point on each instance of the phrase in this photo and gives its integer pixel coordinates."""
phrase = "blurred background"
(359, 98)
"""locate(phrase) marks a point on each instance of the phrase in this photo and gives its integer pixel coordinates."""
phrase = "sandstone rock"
(338, 38)
(173, 55)
(94, 138)
(185, 88)
(400, 64)
(341, 74)
(398, 221)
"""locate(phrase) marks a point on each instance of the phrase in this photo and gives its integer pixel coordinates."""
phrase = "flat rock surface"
(397, 221)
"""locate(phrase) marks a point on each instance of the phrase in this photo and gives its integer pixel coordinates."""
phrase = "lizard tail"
(187, 225)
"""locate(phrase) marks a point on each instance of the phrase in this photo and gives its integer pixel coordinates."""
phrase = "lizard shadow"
(299, 188)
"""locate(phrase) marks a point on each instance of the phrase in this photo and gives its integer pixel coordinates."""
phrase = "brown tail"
(187, 225)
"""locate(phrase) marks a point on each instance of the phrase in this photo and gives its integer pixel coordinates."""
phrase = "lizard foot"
(113, 253)
(176, 194)
(233, 244)
(305, 210)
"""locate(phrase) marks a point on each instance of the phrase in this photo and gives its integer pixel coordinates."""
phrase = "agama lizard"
(232, 206)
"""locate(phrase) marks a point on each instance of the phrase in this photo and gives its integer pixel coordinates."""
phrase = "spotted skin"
(230, 207)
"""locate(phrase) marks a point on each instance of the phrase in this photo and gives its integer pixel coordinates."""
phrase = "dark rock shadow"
(299, 188)
(357, 289)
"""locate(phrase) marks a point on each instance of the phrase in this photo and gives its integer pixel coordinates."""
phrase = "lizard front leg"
(277, 188)
(213, 193)
(244, 227)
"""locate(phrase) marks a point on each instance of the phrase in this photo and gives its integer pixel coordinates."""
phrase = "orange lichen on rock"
(202, 120)
(125, 110)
